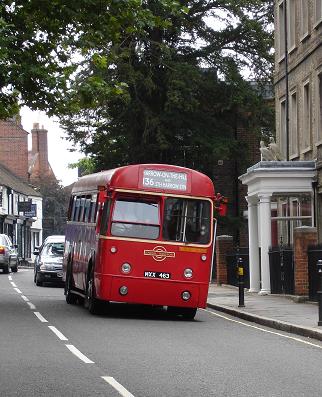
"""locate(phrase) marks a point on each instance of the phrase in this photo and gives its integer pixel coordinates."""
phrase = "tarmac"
(283, 312)
(287, 313)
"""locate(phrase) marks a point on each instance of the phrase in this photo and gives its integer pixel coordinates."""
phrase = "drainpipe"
(287, 121)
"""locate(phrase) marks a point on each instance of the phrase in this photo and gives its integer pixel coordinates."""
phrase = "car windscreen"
(53, 249)
(3, 240)
(136, 218)
(187, 220)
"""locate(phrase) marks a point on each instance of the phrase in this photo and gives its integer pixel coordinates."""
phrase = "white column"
(254, 277)
(265, 241)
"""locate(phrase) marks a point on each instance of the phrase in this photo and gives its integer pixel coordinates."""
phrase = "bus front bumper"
(152, 292)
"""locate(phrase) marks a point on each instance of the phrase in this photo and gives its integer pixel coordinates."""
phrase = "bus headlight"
(187, 273)
(186, 295)
(123, 290)
(126, 268)
(203, 257)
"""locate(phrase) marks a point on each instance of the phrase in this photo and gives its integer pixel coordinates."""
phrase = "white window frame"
(317, 12)
(318, 108)
(306, 118)
(291, 25)
(304, 19)
(281, 29)
(293, 124)
(282, 123)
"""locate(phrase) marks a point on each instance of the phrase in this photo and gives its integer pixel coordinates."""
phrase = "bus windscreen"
(136, 218)
(187, 220)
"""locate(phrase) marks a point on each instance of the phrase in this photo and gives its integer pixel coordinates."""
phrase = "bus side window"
(105, 217)
(82, 209)
(93, 207)
(77, 209)
(87, 209)
(72, 207)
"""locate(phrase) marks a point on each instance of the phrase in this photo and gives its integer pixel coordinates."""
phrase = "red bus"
(141, 234)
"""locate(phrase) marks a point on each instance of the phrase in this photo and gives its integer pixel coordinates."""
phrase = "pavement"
(283, 312)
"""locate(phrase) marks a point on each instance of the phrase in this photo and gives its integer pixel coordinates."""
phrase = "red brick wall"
(227, 183)
(224, 244)
(14, 148)
(303, 237)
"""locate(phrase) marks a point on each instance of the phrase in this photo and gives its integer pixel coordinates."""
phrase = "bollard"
(240, 272)
(319, 292)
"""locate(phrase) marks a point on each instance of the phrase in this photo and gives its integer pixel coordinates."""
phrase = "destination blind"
(157, 179)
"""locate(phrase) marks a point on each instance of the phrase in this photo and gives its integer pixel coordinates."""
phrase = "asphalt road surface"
(50, 348)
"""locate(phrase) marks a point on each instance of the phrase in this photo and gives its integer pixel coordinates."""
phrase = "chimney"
(40, 145)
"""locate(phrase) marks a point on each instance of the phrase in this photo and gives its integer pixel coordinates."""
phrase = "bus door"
(103, 211)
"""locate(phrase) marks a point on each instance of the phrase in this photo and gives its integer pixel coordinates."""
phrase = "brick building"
(226, 182)
(24, 226)
(285, 197)
(298, 86)
(14, 147)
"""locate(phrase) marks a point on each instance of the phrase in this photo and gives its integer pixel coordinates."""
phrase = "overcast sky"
(59, 156)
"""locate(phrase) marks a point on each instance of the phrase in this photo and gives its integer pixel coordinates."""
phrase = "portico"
(280, 197)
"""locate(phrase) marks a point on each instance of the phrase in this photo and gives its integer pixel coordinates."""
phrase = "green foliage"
(139, 80)
(85, 166)
(55, 205)
(165, 85)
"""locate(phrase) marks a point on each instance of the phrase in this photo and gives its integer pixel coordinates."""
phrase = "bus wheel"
(90, 302)
(70, 297)
(188, 313)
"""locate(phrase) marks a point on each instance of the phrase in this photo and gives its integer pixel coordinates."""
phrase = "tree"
(43, 42)
(55, 206)
(137, 80)
(169, 87)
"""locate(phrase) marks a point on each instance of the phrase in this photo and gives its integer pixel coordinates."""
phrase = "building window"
(304, 18)
(283, 139)
(319, 132)
(306, 133)
(293, 125)
(291, 21)
(318, 10)
(281, 30)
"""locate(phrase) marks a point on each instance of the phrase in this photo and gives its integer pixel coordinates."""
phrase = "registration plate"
(163, 275)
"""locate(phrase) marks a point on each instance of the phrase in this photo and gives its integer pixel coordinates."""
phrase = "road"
(49, 348)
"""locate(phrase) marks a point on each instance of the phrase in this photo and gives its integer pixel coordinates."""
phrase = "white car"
(48, 265)
(8, 254)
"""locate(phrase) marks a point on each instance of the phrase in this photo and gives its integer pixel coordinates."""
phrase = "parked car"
(48, 265)
(8, 254)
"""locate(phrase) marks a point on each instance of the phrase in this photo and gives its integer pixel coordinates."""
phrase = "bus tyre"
(188, 313)
(91, 303)
(70, 297)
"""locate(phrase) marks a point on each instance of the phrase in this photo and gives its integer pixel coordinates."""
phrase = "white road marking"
(40, 317)
(79, 354)
(31, 305)
(24, 298)
(264, 330)
(57, 332)
(117, 386)
(10, 277)
(13, 284)
(18, 290)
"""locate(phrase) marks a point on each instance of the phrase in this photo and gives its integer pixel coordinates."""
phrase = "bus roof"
(159, 178)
